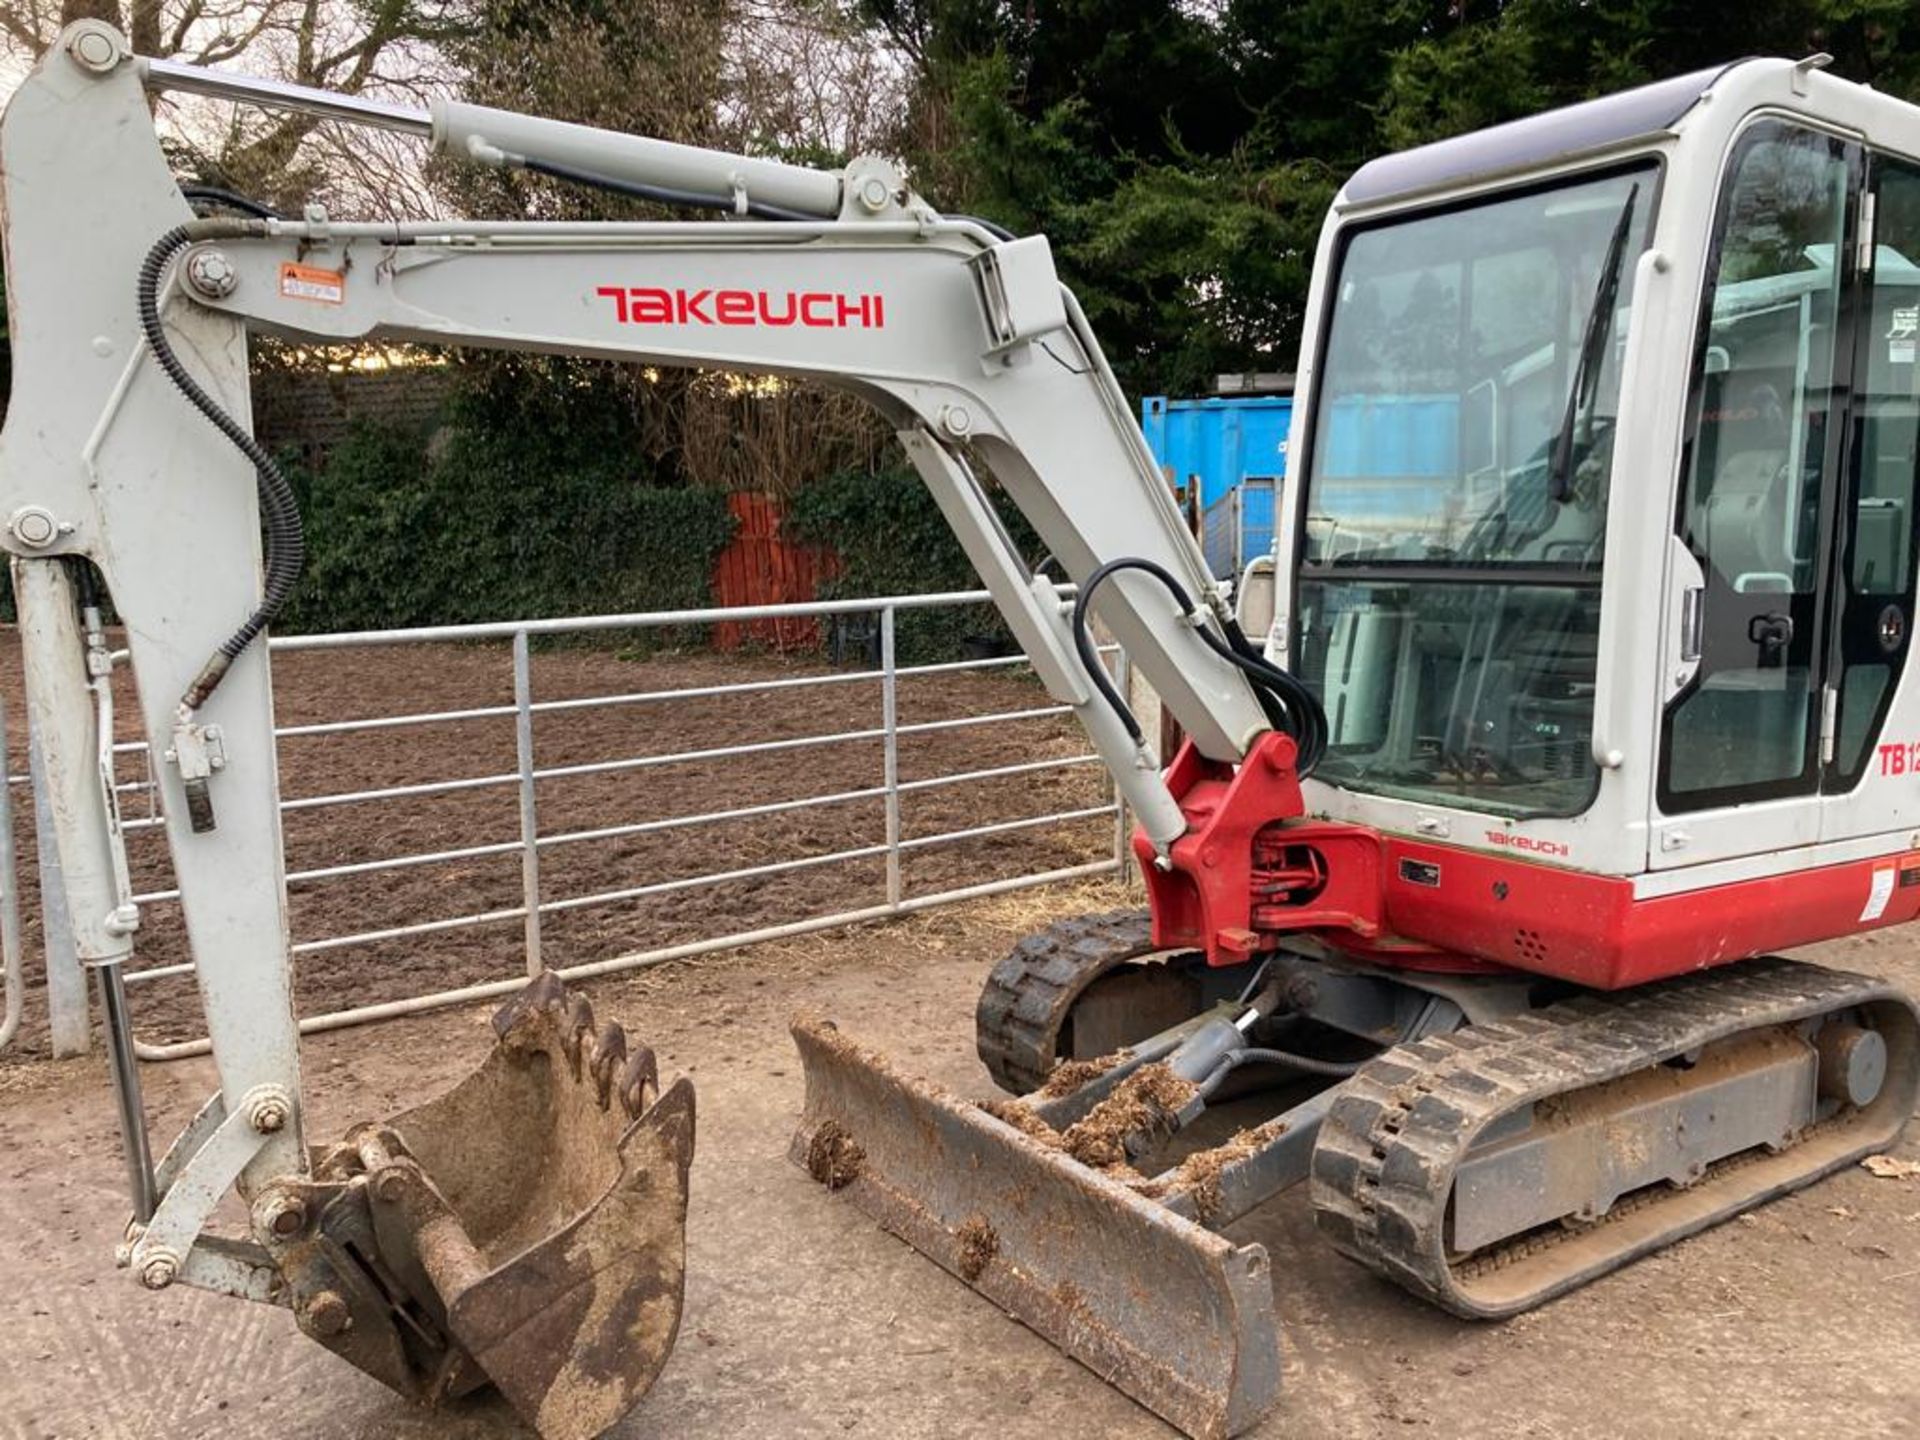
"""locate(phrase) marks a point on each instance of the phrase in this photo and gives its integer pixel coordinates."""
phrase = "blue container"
(1382, 456)
(1230, 456)
(1221, 442)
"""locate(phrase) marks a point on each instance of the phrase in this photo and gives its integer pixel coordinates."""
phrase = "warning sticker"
(1878, 896)
(309, 282)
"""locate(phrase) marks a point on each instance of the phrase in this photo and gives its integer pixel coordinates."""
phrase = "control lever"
(1772, 631)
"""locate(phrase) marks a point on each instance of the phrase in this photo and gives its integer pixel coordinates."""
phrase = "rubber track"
(1029, 994)
(1384, 1162)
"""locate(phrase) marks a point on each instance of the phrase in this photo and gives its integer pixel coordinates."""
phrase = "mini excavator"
(1582, 688)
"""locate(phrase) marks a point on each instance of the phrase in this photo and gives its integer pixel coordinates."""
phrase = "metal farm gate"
(535, 842)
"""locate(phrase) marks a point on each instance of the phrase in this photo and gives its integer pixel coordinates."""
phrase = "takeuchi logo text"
(1533, 844)
(818, 309)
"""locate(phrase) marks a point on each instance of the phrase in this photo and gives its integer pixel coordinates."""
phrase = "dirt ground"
(319, 686)
(803, 1319)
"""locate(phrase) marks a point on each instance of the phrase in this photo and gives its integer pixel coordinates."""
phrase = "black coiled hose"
(280, 515)
(231, 199)
(1293, 709)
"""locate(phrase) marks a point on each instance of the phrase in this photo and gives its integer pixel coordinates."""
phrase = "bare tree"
(390, 47)
(805, 77)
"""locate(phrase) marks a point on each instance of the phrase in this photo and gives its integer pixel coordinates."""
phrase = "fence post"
(67, 1017)
(1239, 493)
(890, 722)
(15, 982)
(529, 816)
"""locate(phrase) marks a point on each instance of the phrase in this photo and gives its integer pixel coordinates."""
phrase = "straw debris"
(1069, 1075)
(834, 1158)
(1021, 1118)
(1199, 1174)
(978, 1245)
(1145, 1103)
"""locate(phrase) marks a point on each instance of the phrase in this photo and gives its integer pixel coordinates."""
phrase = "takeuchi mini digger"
(1582, 688)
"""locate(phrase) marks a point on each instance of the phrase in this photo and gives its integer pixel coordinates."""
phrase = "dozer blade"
(1174, 1315)
(527, 1228)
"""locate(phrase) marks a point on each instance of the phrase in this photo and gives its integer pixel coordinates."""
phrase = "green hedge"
(516, 508)
(523, 502)
(892, 540)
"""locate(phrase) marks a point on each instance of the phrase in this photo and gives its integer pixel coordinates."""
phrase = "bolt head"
(159, 1272)
(94, 50)
(269, 1114)
(873, 194)
(211, 273)
(34, 525)
(326, 1314)
(956, 421)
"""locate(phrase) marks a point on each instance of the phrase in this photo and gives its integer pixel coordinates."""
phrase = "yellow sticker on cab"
(310, 282)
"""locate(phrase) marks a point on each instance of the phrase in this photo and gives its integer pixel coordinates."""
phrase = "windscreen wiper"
(1586, 372)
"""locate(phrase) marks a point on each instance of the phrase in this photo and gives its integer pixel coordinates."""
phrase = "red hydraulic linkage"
(1250, 867)
(1253, 869)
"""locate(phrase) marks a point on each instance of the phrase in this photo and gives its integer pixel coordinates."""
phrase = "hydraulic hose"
(1293, 709)
(279, 513)
(232, 199)
(1306, 720)
(1304, 1064)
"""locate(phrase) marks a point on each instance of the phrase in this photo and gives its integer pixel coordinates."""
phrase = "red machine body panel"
(1591, 930)
(1252, 870)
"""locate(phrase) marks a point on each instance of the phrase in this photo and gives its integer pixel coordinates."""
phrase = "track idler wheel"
(1079, 988)
(525, 1229)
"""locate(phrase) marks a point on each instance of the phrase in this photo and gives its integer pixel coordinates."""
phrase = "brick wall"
(311, 409)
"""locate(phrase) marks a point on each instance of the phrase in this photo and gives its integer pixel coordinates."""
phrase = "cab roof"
(1535, 142)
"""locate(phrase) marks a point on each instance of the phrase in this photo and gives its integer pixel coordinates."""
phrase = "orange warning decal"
(308, 282)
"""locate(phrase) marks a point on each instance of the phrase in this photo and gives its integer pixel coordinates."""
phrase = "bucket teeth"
(640, 1075)
(522, 1228)
(579, 1026)
(545, 993)
(609, 1058)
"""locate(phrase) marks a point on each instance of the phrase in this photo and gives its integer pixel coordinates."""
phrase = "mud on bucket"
(526, 1229)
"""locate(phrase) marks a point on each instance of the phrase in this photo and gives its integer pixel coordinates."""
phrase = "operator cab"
(1611, 414)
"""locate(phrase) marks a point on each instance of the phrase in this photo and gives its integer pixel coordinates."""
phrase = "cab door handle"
(1693, 614)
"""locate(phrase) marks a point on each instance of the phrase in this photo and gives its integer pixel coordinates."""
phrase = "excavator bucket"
(527, 1228)
(1179, 1318)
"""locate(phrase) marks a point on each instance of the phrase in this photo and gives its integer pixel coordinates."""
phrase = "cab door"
(1872, 775)
(1762, 470)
